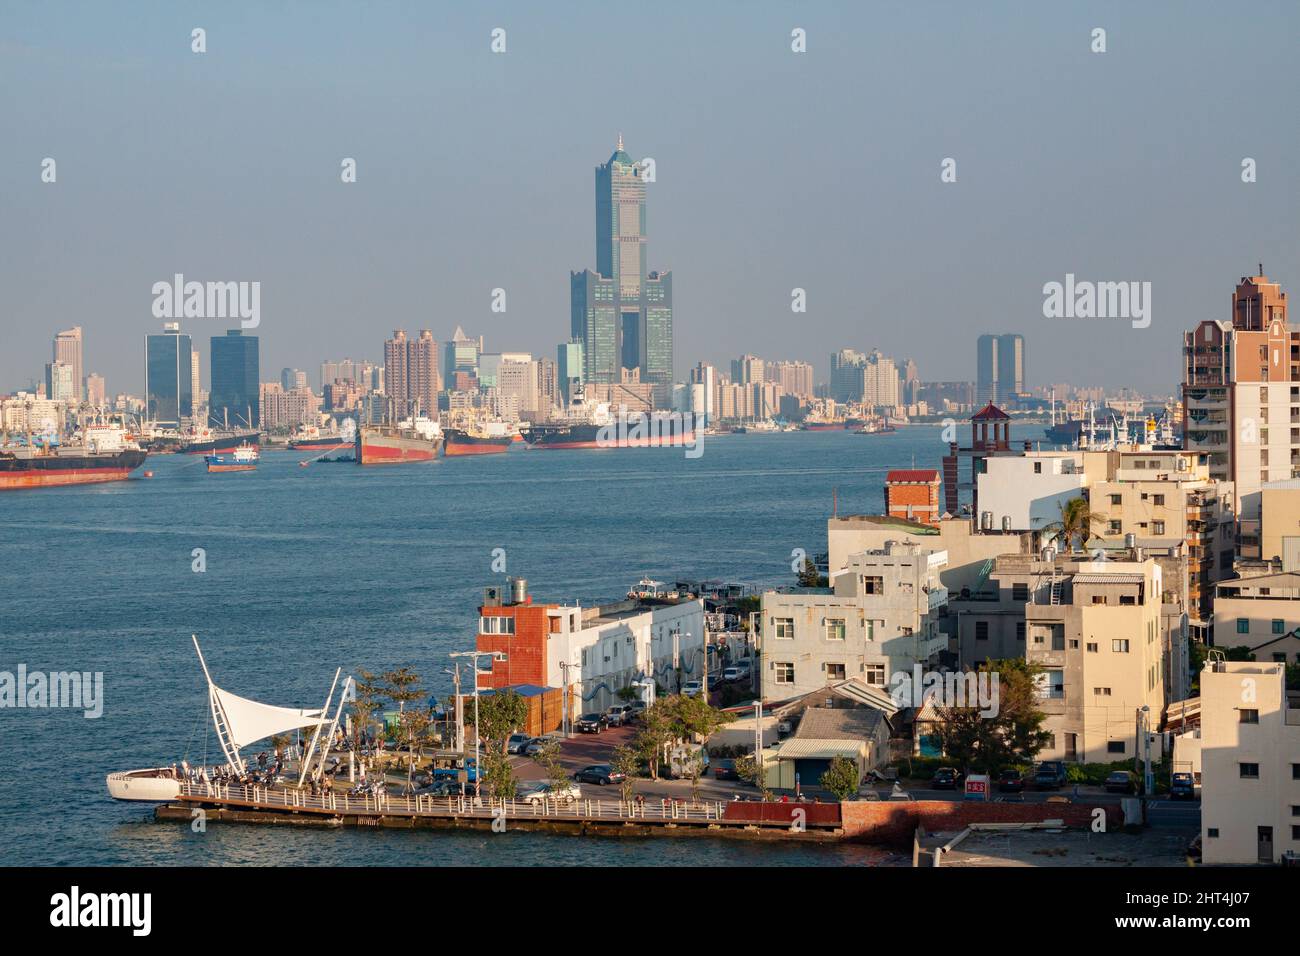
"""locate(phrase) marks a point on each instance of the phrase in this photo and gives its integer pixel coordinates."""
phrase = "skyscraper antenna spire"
(619, 147)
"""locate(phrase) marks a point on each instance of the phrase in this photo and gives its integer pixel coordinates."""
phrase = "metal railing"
(346, 802)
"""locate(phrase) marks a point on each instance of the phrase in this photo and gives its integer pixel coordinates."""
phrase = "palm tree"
(1076, 522)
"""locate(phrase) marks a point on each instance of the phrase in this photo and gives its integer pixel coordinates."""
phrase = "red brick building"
(913, 494)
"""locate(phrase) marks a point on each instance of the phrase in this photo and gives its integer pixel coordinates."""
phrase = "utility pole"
(565, 719)
(704, 671)
(677, 659)
(758, 744)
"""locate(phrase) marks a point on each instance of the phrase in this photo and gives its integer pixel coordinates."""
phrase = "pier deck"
(246, 804)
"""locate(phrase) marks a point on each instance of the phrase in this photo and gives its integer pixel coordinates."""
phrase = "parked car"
(538, 744)
(536, 792)
(635, 710)
(745, 666)
(618, 715)
(945, 778)
(1011, 781)
(724, 768)
(600, 773)
(591, 723)
(692, 688)
(730, 675)
(1121, 781)
(517, 742)
(1182, 786)
(1050, 775)
(441, 788)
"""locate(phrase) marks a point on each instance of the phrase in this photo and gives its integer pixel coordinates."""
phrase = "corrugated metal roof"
(1101, 577)
(810, 748)
(839, 723)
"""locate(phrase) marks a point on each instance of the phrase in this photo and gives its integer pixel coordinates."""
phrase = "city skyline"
(747, 192)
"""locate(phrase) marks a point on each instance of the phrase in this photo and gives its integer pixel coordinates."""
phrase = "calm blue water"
(333, 565)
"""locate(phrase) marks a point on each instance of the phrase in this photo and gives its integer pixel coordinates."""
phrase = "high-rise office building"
(411, 374)
(235, 391)
(848, 375)
(1000, 367)
(569, 370)
(60, 382)
(747, 370)
(291, 378)
(460, 355)
(1241, 385)
(168, 376)
(623, 313)
(67, 349)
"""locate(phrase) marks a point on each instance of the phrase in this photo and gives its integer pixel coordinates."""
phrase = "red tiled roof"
(990, 412)
(913, 475)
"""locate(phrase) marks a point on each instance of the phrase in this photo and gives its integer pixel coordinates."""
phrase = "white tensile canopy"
(248, 720)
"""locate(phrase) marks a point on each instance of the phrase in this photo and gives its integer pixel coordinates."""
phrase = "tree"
(1075, 524)
(402, 686)
(627, 761)
(748, 768)
(841, 778)
(809, 577)
(368, 692)
(278, 743)
(414, 725)
(549, 757)
(501, 713)
(694, 767)
(674, 718)
(1010, 737)
(495, 773)
(652, 736)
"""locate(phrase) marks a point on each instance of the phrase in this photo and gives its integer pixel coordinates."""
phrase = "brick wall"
(889, 822)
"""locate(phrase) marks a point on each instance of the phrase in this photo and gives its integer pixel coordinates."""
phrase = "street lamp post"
(478, 735)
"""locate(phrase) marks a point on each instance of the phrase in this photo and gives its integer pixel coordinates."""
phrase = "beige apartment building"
(881, 614)
(1241, 398)
(1280, 523)
(1250, 764)
(1109, 637)
(1262, 614)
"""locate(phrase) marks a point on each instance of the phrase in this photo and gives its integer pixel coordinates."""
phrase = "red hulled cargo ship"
(478, 438)
(407, 441)
(107, 453)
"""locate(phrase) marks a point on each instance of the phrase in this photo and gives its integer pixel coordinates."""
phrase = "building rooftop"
(990, 413)
(839, 723)
(912, 476)
(885, 521)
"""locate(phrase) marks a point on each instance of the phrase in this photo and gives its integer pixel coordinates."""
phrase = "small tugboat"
(243, 458)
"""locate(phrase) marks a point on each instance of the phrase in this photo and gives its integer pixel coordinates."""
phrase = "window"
(1119, 646)
(1114, 527)
(1295, 832)
(784, 672)
(875, 674)
(1249, 771)
(1114, 746)
(1020, 630)
(1101, 692)
(1058, 639)
(496, 624)
(1212, 832)
(1129, 599)
(783, 628)
(1243, 626)
(1158, 500)
(1279, 627)
(1116, 499)
(1248, 716)
(1295, 771)
(835, 628)
(1020, 592)
(1099, 599)
(1092, 647)
(1074, 645)
(1157, 527)
(835, 672)
(1054, 685)
(1038, 468)
(873, 585)
(981, 630)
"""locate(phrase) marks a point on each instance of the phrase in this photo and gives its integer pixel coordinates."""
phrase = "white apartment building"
(881, 614)
(1261, 613)
(608, 647)
(1250, 764)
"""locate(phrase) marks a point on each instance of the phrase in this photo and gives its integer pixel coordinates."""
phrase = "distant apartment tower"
(168, 376)
(235, 397)
(794, 378)
(1241, 392)
(880, 381)
(704, 391)
(1000, 367)
(291, 378)
(411, 374)
(68, 350)
(622, 313)
(747, 370)
(96, 390)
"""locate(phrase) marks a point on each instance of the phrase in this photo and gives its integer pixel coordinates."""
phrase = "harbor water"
(287, 572)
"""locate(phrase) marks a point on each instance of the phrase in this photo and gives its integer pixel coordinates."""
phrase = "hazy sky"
(775, 170)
